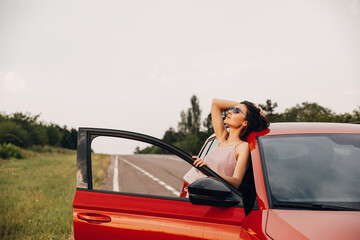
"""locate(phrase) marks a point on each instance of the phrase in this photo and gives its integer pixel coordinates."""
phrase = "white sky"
(134, 65)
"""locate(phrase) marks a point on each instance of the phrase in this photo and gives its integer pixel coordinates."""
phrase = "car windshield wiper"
(313, 206)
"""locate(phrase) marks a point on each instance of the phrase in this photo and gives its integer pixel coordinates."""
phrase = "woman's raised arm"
(218, 124)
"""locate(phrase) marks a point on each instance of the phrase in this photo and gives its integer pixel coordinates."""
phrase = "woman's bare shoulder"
(242, 147)
(243, 144)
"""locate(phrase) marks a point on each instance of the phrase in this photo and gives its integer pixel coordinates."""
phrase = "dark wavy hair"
(255, 121)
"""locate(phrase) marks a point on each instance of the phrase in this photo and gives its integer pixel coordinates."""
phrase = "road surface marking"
(171, 189)
(116, 174)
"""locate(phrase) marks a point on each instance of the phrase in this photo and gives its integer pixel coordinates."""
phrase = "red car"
(303, 183)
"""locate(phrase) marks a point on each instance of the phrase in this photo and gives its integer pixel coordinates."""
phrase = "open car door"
(137, 194)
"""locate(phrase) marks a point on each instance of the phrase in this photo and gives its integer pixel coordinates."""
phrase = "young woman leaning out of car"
(230, 157)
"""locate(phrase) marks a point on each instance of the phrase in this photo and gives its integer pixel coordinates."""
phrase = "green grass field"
(36, 195)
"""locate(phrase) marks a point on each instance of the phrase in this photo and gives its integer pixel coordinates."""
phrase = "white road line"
(116, 174)
(171, 189)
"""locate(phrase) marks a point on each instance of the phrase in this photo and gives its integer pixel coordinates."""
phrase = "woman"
(230, 157)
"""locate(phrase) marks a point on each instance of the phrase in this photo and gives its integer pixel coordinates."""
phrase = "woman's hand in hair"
(261, 112)
(198, 162)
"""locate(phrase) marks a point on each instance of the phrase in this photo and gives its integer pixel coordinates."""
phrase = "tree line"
(308, 112)
(192, 132)
(26, 131)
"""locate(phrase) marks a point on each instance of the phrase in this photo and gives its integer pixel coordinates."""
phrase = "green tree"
(269, 109)
(208, 125)
(195, 112)
(191, 143)
(12, 132)
(28, 123)
(347, 117)
(182, 126)
(191, 120)
(170, 136)
(26, 120)
(54, 135)
(74, 135)
(308, 112)
(24, 130)
(38, 135)
(66, 140)
(356, 113)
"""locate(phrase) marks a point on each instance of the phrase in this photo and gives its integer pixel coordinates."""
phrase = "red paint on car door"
(137, 217)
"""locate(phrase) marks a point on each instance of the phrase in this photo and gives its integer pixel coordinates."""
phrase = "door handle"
(94, 217)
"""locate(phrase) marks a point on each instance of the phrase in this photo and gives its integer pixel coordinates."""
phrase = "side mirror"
(209, 191)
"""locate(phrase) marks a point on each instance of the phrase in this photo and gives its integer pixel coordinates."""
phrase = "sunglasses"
(236, 110)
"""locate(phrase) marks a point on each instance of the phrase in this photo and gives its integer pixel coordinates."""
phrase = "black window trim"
(86, 135)
(264, 170)
(209, 141)
(212, 142)
(135, 194)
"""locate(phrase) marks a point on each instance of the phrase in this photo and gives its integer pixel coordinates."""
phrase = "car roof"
(312, 127)
(307, 128)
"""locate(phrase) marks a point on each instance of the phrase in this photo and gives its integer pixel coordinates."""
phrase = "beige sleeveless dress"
(220, 160)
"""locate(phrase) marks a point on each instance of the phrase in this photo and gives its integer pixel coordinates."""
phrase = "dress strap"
(231, 147)
(238, 144)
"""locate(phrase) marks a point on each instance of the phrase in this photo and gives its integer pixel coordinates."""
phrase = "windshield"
(321, 168)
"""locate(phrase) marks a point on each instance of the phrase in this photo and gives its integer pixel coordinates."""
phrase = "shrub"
(12, 132)
(9, 150)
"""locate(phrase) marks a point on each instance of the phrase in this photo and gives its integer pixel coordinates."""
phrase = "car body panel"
(307, 224)
(152, 217)
(133, 217)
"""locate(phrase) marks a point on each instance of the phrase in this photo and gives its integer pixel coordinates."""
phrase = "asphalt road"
(146, 173)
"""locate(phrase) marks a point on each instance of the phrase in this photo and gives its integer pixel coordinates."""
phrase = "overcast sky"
(134, 65)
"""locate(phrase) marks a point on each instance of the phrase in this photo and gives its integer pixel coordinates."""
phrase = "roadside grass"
(100, 164)
(36, 195)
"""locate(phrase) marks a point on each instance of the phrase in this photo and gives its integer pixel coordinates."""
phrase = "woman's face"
(236, 120)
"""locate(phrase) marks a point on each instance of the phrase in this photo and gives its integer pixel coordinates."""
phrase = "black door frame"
(87, 135)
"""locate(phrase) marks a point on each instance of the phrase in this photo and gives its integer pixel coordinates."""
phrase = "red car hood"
(290, 224)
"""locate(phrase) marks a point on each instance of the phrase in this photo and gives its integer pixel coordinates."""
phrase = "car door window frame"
(87, 135)
(204, 151)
